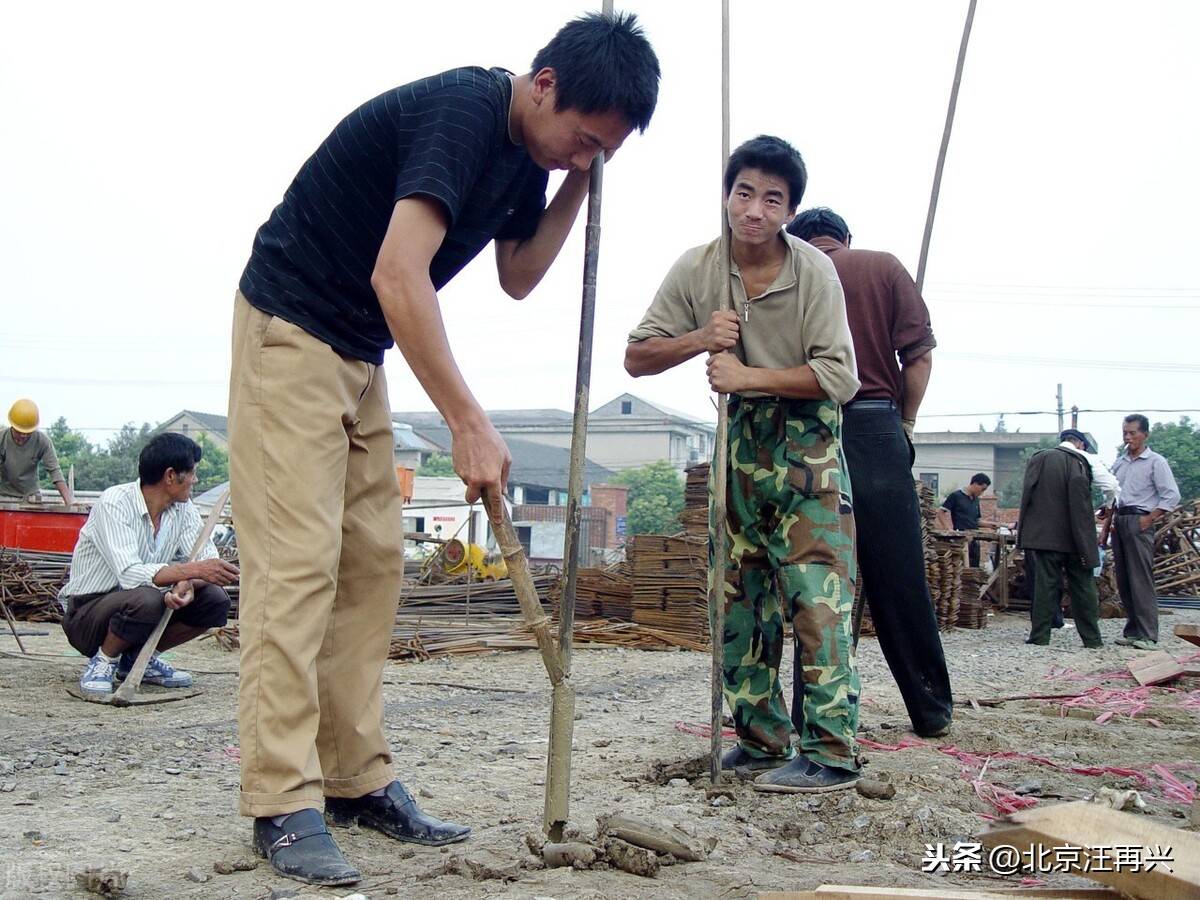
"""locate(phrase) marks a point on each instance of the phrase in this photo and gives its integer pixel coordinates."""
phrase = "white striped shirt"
(118, 549)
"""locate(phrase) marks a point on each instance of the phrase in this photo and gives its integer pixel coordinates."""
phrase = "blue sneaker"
(97, 677)
(157, 671)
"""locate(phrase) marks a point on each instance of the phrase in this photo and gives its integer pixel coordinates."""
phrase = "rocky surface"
(152, 790)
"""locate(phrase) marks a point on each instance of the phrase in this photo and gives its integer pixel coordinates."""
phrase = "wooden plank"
(1155, 668)
(857, 892)
(1098, 830)
(1190, 633)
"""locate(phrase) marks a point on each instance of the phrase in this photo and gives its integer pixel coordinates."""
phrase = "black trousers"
(891, 562)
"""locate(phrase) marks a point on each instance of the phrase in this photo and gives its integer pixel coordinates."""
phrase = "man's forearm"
(797, 383)
(410, 307)
(914, 379)
(63, 492)
(657, 354)
(531, 258)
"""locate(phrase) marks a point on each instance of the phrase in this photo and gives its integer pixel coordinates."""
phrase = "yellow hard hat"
(23, 416)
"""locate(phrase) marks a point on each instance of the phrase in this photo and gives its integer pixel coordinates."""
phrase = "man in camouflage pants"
(787, 360)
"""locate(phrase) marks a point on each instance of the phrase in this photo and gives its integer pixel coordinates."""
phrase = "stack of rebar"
(670, 584)
(943, 571)
(694, 517)
(31, 581)
(605, 593)
(972, 609)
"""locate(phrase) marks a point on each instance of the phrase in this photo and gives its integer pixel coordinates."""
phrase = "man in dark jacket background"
(1057, 521)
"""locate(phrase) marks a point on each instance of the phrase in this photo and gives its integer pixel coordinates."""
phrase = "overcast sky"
(144, 143)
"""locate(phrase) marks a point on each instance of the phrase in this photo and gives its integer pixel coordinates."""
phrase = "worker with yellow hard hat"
(22, 447)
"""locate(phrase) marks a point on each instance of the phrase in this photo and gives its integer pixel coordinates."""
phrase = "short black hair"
(771, 155)
(169, 450)
(820, 221)
(1140, 421)
(980, 478)
(603, 63)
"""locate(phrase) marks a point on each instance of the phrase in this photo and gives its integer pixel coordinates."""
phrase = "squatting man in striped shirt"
(400, 196)
(131, 562)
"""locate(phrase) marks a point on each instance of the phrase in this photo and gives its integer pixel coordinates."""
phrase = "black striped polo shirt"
(443, 137)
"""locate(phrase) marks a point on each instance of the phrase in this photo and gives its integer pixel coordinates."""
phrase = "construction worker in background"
(893, 345)
(786, 360)
(22, 447)
(1148, 492)
(965, 514)
(1059, 525)
(403, 193)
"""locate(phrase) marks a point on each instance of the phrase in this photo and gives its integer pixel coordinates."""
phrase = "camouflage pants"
(790, 529)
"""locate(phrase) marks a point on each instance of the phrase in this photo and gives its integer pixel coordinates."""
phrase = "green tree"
(213, 468)
(655, 498)
(97, 469)
(1179, 442)
(1009, 496)
(438, 465)
(72, 449)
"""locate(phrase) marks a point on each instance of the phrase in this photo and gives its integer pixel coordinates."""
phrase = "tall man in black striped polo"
(404, 192)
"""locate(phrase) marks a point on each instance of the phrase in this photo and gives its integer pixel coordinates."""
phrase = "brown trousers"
(317, 509)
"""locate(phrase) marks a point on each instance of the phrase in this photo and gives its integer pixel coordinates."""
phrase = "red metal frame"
(51, 529)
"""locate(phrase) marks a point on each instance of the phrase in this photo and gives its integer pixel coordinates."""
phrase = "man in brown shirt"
(893, 343)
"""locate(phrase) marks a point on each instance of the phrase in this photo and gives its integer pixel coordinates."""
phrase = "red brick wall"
(614, 498)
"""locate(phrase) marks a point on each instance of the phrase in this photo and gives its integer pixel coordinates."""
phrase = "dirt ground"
(152, 790)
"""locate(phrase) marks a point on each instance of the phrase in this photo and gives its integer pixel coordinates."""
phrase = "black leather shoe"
(933, 732)
(397, 815)
(738, 758)
(302, 848)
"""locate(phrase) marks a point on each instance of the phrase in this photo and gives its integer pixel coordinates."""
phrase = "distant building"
(946, 460)
(192, 423)
(409, 448)
(625, 433)
(539, 473)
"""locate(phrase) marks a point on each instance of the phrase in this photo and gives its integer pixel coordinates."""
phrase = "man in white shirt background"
(131, 563)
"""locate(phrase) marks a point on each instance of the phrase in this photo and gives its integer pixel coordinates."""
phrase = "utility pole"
(1074, 416)
(1060, 408)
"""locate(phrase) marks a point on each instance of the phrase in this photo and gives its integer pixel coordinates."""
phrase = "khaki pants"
(318, 515)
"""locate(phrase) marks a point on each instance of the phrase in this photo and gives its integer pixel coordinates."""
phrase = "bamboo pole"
(562, 697)
(719, 472)
(941, 160)
(562, 724)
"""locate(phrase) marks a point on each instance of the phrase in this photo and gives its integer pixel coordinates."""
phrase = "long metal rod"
(8, 615)
(562, 724)
(941, 160)
(718, 473)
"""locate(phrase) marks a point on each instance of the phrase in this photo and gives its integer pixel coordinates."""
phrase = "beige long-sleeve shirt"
(800, 319)
(19, 463)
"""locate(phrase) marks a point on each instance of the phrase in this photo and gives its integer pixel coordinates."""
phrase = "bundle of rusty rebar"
(31, 581)
(1177, 552)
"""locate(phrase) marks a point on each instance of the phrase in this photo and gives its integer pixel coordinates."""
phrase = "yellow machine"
(458, 555)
